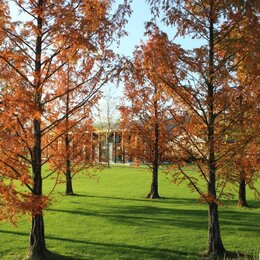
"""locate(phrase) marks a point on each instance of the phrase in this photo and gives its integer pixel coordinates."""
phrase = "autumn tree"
(106, 115)
(246, 162)
(202, 79)
(148, 117)
(72, 137)
(12, 201)
(34, 49)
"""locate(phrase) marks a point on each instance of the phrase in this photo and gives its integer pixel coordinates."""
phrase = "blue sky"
(136, 28)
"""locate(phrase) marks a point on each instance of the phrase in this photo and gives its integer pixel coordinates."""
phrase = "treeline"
(200, 103)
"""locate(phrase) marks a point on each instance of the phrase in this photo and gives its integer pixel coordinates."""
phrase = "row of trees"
(197, 105)
(53, 60)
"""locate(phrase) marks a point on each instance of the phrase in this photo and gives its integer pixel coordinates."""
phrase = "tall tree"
(201, 78)
(35, 48)
(246, 163)
(148, 117)
(72, 136)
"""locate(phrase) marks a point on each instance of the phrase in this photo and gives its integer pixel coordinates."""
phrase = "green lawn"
(111, 219)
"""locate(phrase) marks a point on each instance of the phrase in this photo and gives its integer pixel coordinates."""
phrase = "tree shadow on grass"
(252, 204)
(152, 217)
(144, 199)
(97, 250)
(120, 251)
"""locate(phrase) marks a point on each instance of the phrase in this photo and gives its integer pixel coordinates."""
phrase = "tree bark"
(108, 151)
(38, 249)
(37, 240)
(69, 189)
(242, 193)
(215, 245)
(154, 194)
(242, 183)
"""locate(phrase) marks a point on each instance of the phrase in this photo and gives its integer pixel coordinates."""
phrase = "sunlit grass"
(111, 219)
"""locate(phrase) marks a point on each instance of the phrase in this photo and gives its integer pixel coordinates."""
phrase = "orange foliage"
(33, 54)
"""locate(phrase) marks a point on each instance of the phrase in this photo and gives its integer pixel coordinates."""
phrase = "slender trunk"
(242, 183)
(123, 148)
(69, 190)
(215, 245)
(242, 192)
(115, 148)
(108, 151)
(154, 194)
(99, 148)
(37, 240)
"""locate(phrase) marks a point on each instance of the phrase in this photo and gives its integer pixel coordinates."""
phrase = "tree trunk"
(38, 249)
(242, 194)
(154, 194)
(108, 151)
(69, 189)
(37, 241)
(215, 245)
(242, 183)
(99, 149)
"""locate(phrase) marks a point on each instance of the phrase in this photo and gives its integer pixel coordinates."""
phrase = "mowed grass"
(111, 219)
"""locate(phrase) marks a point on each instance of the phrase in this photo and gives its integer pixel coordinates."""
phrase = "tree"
(106, 112)
(148, 117)
(202, 78)
(72, 136)
(34, 49)
(246, 162)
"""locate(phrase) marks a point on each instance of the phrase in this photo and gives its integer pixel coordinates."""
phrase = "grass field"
(111, 219)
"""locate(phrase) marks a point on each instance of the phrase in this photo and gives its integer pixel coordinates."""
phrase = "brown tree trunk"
(99, 148)
(69, 189)
(242, 183)
(154, 194)
(38, 249)
(242, 194)
(107, 151)
(215, 245)
(37, 240)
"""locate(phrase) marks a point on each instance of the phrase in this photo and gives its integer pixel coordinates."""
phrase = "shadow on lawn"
(99, 249)
(154, 217)
(144, 199)
(160, 217)
(252, 204)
